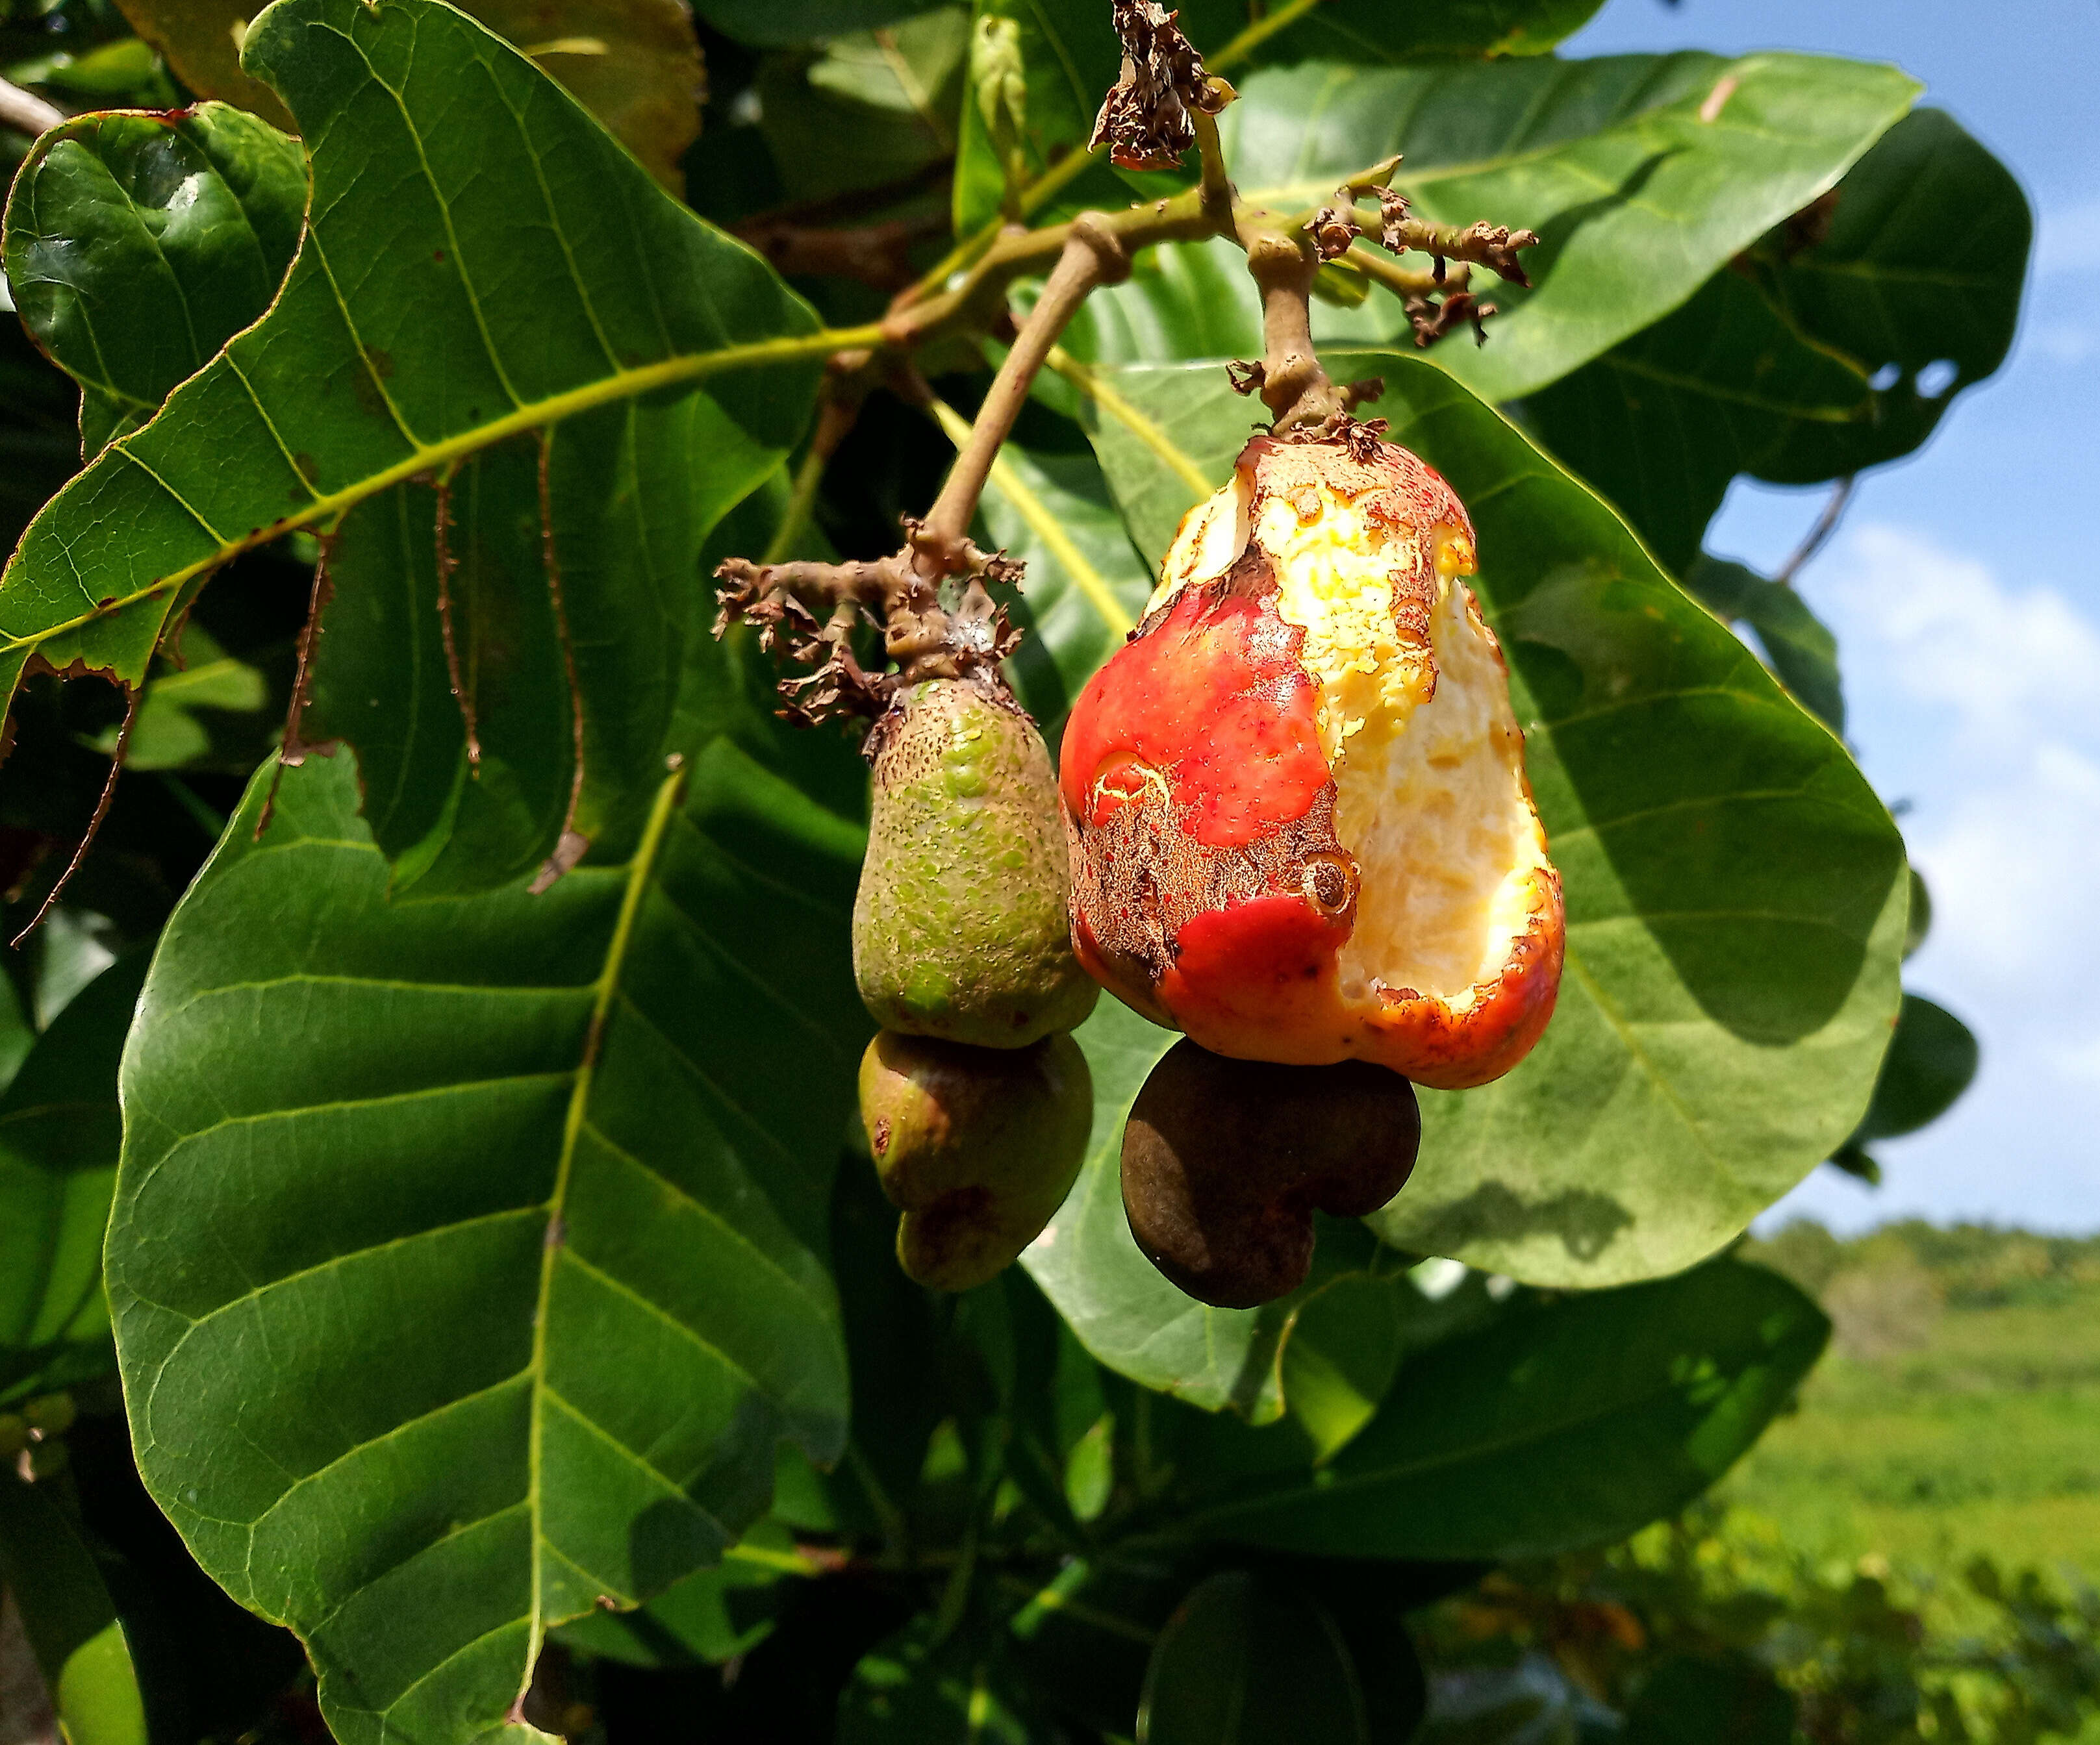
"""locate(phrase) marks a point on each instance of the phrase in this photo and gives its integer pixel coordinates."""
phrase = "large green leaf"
(1638, 197)
(1815, 358)
(1734, 891)
(464, 1261)
(1662, 423)
(633, 63)
(501, 348)
(60, 1134)
(70, 1620)
(137, 244)
(1566, 1422)
(1798, 645)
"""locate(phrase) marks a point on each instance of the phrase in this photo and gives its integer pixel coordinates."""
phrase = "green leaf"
(1893, 283)
(633, 63)
(1637, 198)
(1364, 33)
(706, 1618)
(1736, 893)
(60, 1134)
(465, 1260)
(875, 107)
(1248, 1662)
(1662, 422)
(492, 296)
(1340, 1353)
(1566, 1422)
(1066, 51)
(182, 707)
(1813, 359)
(70, 1620)
(1932, 1059)
(1114, 1299)
(1798, 645)
(138, 244)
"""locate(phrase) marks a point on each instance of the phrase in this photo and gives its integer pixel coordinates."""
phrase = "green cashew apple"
(961, 928)
(979, 1146)
(1225, 1161)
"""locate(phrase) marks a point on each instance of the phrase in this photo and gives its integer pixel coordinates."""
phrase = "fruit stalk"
(1092, 255)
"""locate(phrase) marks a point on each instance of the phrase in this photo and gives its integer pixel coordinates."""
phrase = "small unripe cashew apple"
(1301, 828)
(960, 927)
(1225, 1161)
(979, 1146)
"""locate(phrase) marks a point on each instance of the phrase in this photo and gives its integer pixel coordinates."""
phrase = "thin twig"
(570, 846)
(1090, 256)
(1826, 524)
(26, 112)
(292, 748)
(94, 823)
(1406, 281)
(446, 565)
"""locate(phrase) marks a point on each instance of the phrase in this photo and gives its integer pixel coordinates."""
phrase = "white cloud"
(2067, 238)
(2065, 343)
(2008, 664)
(1974, 690)
(2011, 865)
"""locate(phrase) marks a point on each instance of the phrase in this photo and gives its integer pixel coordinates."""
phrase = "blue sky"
(1966, 595)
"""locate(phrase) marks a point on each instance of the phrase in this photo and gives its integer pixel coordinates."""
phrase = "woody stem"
(1090, 255)
(1296, 391)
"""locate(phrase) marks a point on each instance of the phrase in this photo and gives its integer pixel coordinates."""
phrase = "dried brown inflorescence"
(1148, 122)
(806, 614)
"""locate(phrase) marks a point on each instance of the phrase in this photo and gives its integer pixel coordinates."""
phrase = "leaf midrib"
(624, 384)
(641, 872)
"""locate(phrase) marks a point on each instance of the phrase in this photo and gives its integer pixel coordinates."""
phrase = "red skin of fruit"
(1213, 700)
(1208, 720)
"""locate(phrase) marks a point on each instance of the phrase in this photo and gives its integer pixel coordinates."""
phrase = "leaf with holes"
(465, 1262)
(512, 383)
(1736, 892)
(1838, 343)
(137, 244)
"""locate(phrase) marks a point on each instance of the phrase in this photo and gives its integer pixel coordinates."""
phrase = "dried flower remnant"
(1148, 120)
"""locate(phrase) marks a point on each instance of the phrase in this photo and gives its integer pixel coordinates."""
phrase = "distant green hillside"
(1959, 1410)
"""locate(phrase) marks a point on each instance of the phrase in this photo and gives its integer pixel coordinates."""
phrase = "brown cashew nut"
(1225, 1161)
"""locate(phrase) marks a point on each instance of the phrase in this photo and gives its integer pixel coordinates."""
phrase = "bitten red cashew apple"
(1301, 829)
